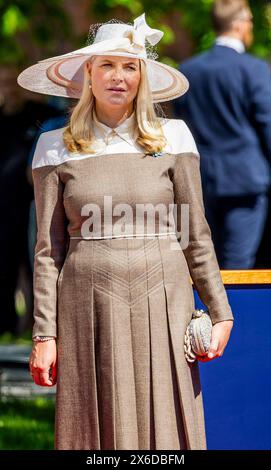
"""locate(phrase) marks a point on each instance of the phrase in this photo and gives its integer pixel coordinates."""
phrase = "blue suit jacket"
(228, 110)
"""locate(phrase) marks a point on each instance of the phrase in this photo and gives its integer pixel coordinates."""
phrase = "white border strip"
(125, 236)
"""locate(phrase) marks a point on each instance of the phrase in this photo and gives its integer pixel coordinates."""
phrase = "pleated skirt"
(122, 378)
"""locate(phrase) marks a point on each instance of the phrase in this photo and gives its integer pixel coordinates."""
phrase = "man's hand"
(43, 363)
(220, 336)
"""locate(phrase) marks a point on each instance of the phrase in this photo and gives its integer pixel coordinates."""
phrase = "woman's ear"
(88, 66)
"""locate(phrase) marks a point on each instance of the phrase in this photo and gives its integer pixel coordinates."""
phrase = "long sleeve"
(199, 251)
(51, 245)
(260, 104)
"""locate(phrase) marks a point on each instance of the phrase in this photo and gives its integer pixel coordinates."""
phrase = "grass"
(27, 424)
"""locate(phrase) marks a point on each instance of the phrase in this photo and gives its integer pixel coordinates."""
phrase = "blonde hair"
(78, 136)
(225, 11)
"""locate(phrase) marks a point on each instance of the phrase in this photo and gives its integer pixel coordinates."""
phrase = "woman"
(112, 305)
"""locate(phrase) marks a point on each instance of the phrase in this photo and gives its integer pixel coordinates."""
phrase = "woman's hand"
(220, 336)
(43, 363)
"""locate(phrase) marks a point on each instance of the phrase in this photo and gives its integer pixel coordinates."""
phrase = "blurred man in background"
(228, 109)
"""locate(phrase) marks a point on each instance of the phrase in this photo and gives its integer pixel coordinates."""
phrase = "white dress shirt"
(126, 130)
(110, 139)
(228, 41)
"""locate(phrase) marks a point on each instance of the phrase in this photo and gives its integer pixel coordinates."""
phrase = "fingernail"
(210, 354)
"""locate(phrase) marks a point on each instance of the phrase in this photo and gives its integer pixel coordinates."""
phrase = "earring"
(89, 84)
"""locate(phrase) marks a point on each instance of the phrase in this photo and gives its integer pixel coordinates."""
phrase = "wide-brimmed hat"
(63, 75)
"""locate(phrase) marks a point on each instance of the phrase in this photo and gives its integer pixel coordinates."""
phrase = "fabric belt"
(126, 236)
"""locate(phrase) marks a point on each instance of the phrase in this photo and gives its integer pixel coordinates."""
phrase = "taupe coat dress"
(119, 303)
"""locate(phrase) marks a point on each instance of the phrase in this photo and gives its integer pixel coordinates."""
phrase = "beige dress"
(119, 303)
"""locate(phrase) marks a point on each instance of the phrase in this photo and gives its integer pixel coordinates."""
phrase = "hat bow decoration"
(141, 32)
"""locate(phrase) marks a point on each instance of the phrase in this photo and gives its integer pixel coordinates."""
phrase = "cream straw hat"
(63, 75)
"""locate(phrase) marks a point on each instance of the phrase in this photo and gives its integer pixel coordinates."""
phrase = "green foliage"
(9, 338)
(46, 24)
(27, 424)
(24, 23)
(13, 20)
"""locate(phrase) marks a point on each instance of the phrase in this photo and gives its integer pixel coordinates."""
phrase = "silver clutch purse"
(198, 335)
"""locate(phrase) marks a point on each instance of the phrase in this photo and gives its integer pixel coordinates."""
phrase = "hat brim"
(63, 76)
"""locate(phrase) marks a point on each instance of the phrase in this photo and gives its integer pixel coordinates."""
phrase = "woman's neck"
(112, 118)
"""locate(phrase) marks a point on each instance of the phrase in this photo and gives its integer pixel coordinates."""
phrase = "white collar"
(228, 41)
(126, 130)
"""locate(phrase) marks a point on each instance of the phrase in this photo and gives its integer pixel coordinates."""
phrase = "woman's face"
(115, 80)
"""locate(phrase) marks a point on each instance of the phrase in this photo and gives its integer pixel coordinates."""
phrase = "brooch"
(157, 154)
